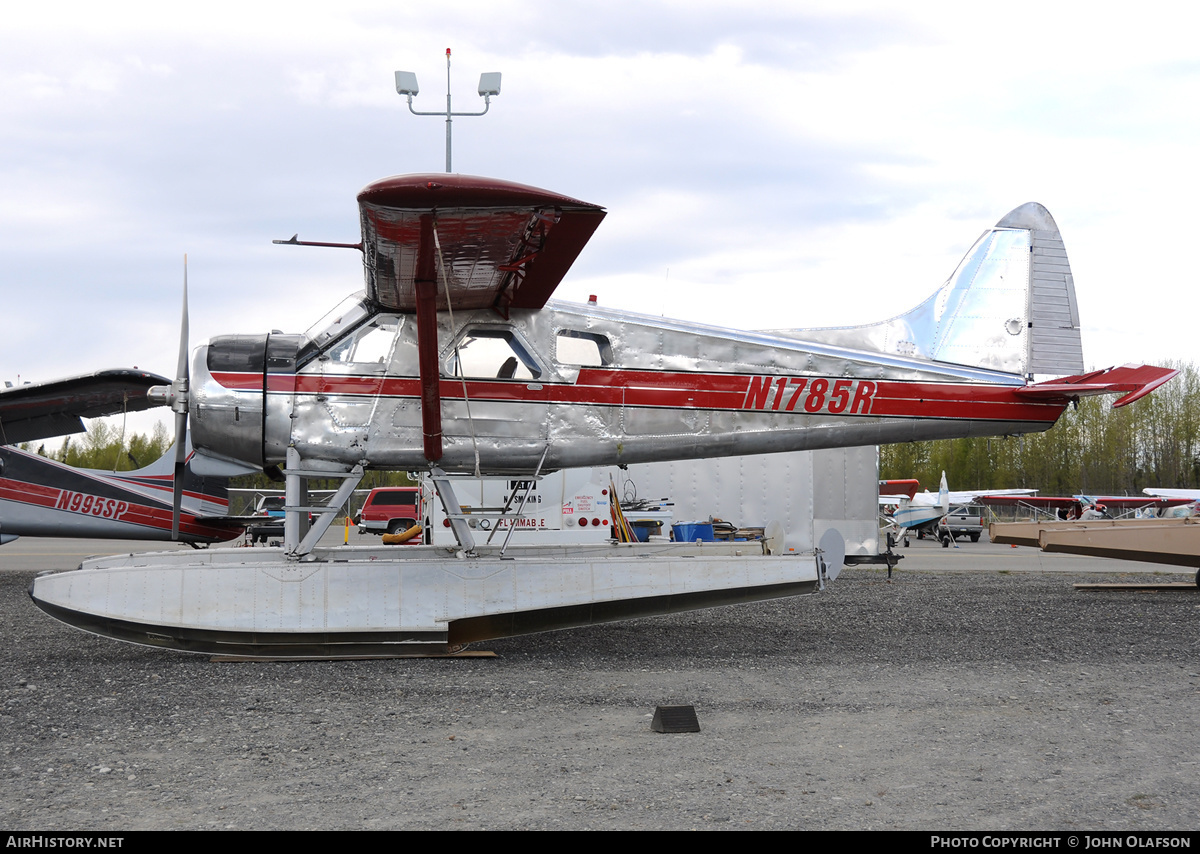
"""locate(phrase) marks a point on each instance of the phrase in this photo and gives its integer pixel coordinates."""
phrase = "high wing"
(54, 408)
(437, 242)
(967, 496)
(502, 245)
(973, 496)
(1050, 502)
(1185, 494)
(1074, 505)
(1033, 501)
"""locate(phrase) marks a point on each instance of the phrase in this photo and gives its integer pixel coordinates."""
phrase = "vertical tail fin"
(1054, 346)
(206, 495)
(1010, 306)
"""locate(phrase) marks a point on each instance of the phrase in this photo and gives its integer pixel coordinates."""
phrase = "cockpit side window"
(492, 353)
(587, 349)
(370, 343)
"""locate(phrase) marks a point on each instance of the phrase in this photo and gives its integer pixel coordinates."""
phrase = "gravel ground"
(941, 700)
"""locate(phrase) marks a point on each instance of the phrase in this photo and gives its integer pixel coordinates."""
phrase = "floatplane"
(454, 359)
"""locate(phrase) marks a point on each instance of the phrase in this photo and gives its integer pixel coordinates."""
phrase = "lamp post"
(489, 85)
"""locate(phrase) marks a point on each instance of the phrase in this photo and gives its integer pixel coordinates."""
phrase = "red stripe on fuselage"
(799, 395)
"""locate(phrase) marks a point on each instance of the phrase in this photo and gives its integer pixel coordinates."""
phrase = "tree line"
(1094, 449)
(106, 447)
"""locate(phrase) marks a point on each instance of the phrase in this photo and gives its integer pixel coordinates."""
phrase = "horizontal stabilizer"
(1136, 380)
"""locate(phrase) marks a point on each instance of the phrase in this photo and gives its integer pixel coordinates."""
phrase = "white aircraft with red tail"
(454, 359)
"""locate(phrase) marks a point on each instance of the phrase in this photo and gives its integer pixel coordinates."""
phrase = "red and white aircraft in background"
(454, 359)
(43, 498)
(1157, 528)
(1089, 507)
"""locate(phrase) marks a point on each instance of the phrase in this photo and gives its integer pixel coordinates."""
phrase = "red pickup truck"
(391, 510)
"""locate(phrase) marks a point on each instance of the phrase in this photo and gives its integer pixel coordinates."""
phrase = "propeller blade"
(181, 371)
(180, 470)
(180, 406)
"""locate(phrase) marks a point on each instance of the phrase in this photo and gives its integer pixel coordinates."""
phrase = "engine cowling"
(229, 404)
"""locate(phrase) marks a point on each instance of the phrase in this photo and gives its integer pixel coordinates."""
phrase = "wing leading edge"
(54, 408)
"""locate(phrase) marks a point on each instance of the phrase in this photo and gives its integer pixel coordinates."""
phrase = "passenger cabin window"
(492, 354)
(586, 349)
(371, 343)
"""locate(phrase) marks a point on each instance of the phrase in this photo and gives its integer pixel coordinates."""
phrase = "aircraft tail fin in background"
(1010, 306)
(944, 495)
(211, 493)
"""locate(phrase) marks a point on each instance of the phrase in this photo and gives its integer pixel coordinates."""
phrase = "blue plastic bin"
(690, 532)
(643, 528)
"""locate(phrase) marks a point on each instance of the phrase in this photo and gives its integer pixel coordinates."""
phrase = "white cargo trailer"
(807, 493)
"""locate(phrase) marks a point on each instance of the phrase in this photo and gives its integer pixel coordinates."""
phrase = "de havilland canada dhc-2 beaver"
(454, 360)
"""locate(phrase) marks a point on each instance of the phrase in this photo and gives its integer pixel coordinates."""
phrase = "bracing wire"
(457, 357)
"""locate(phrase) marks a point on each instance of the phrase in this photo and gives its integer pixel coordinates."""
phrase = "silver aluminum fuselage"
(655, 389)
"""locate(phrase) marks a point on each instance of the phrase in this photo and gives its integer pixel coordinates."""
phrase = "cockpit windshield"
(346, 315)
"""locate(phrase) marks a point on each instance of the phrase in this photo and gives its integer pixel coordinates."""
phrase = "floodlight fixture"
(406, 83)
(489, 85)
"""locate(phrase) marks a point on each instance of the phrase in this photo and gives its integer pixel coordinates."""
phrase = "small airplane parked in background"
(43, 498)
(1159, 528)
(926, 512)
(1087, 508)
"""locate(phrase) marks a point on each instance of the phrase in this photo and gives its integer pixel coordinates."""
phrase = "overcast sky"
(763, 164)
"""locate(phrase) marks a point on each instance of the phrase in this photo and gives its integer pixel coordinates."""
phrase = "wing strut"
(427, 344)
(425, 287)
